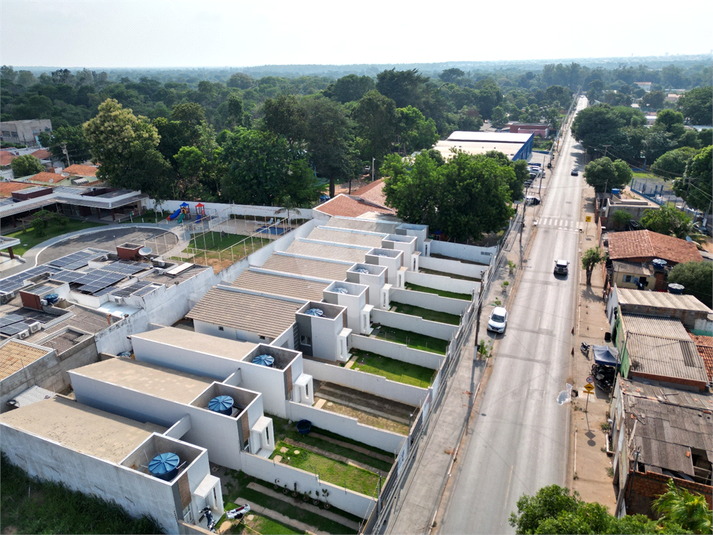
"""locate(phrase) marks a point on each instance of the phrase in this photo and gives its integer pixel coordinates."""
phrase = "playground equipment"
(183, 212)
(200, 212)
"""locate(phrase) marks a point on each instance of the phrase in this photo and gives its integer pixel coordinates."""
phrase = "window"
(305, 341)
(221, 329)
(627, 278)
(188, 514)
(267, 435)
(307, 390)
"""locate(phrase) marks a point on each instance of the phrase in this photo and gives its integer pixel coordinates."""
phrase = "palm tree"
(688, 509)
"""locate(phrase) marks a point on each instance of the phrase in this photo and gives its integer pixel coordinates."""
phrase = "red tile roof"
(646, 244)
(6, 188)
(373, 192)
(42, 154)
(6, 157)
(346, 206)
(81, 170)
(48, 178)
(704, 345)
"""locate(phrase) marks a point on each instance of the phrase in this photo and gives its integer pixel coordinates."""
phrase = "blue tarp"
(606, 356)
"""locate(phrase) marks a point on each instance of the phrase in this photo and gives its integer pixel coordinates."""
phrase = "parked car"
(575, 172)
(498, 320)
(532, 201)
(561, 267)
(528, 183)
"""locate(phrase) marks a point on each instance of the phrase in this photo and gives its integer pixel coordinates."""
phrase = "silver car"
(498, 320)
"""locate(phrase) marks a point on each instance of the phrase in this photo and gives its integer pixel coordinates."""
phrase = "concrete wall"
(398, 351)
(471, 253)
(452, 266)
(269, 471)
(347, 427)
(139, 494)
(366, 382)
(235, 209)
(414, 324)
(430, 301)
(439, 282)
(268, 381)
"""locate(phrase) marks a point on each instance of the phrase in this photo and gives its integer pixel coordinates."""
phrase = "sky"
(238, 33)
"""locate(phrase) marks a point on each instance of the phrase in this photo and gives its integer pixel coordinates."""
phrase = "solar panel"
(77, 259)
(15, 282)
(11, 330)
(9, 319)
(146, 291)
(125, 266)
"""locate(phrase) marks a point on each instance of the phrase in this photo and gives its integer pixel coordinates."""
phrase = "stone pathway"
(334, 456)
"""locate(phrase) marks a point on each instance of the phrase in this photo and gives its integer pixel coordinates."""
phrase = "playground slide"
(198, 218)
(174, 215)
(180, 218)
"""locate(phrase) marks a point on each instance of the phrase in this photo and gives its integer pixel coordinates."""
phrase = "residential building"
(645, 246)
(541, 130)
(609, 204)
(25, 132)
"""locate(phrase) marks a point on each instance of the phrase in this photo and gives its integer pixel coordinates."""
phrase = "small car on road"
(575, 171)
(561, 267)
(498, 321)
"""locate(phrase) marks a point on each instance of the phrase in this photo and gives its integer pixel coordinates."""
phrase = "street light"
(373, 161)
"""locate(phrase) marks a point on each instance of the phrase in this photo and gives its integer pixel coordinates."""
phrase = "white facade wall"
(382, 257)
(414, 324)
(452, 266)
(396, 351)
(235, 209)
(228, 333)
(471, 253)
(354, 301)
(325, 336)
(430, 301)
(347, 427)
(268, 381)
(367, 382)
(439, 282)
(269, 471)
(138, 493)
(215, 432)
(375, 281)
(420, 232)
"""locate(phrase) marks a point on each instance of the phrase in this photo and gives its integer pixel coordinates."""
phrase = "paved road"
(519, 442)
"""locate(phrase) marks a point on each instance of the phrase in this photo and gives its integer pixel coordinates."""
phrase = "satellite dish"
(145, 251)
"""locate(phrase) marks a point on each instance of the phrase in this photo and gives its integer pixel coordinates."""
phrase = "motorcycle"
(584, 348)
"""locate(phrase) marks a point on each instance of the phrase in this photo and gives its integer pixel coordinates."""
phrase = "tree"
(69, 138)
(125, 147)
(621, 219)
(667, 220)
(377, 123)
(603, 174)
(688, 509)
(350, 88)
(285, 117)
(403, 87)
(696, 187)
(240, 80)
(498, 117)
(697, 105)
(554, 510)
(669, 121)
(590, 259)
(696, 278)
(414, 131)
(653, 100)
(26, 165)
(673, 163)
(451, 76)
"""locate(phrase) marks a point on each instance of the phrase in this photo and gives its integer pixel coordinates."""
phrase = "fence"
(654, 191)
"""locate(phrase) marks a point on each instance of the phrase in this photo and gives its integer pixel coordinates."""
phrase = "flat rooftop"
(311, 267)
(281, 285)
(385, 227)
(334, 252)
(199, 342)
(147, 378)
(81, 428)
(346, 236)
(477, 147)
(261, 315)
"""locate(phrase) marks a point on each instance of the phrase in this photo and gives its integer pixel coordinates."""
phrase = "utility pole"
(606, 148)
(66, 154)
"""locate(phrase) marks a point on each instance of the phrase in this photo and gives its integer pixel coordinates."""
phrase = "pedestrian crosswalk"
(559, 224)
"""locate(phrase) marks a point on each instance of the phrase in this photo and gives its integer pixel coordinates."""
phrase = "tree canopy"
(696, 278)
(26, 165)
(667, 220)
(697, 186)
(603, 174)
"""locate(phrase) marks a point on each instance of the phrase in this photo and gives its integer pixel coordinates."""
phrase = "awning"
(606, 355)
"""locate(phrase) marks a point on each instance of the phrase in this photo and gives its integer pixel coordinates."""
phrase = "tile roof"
(81, 170)
(281, 285)
(6, 157)
(385, 227)
(6, 188)
(344, 205)
(311, 267)
(647, 244)
(330, 252)
(346, 236)
(373, 192)
(704, 345)
(15, 355)
(264, 316)
(42, 154)
(48, 178)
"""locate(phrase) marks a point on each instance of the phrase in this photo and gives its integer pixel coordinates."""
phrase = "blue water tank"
(52, 298)
(615, 191)
(222, 405)
(164, 466)
(264, 360)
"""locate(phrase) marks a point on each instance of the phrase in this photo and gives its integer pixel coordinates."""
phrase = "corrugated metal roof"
(631, 268)
(665, 357)
(308, 266)
(655, 326)
(281, 285)
(264, 316)
(346, 236)
(660, 299)
(321, 250)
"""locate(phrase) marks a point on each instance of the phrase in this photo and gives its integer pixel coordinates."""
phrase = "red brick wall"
(643, 489)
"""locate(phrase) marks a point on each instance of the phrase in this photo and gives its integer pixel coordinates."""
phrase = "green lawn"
(335, 472)
(29, 238)
(258, 524)
(221, 246)
(31, 506)
(414, 340)
(442, 293)
(430, 315)
(285, 429)
(240, 490)
(393, 369)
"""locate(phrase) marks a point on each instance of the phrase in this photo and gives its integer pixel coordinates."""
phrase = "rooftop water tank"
(222, 405)
(264, 360)
(340, 290)
(674, 288)
(164, 466)
(659, 264)
(364, 271)
(615, 191)
(314, 312)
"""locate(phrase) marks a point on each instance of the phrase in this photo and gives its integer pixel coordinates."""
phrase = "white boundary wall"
(454, 267)
(366, 382)
(347, 427)
(448, 305)
(472, 253)
(439, 282)
(397, 351)
(414, 324)
(212, 208)
(269, 471)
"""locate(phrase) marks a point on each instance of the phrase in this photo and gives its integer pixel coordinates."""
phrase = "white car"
(498, 320)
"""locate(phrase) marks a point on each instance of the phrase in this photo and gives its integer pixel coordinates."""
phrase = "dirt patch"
(366, 419)
(356, 184)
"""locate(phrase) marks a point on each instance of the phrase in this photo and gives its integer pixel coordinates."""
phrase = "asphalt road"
(520, 439)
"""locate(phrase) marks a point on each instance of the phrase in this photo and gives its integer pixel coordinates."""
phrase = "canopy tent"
(606, 356)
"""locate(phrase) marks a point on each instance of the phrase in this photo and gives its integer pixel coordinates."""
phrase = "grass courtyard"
(392, 369)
